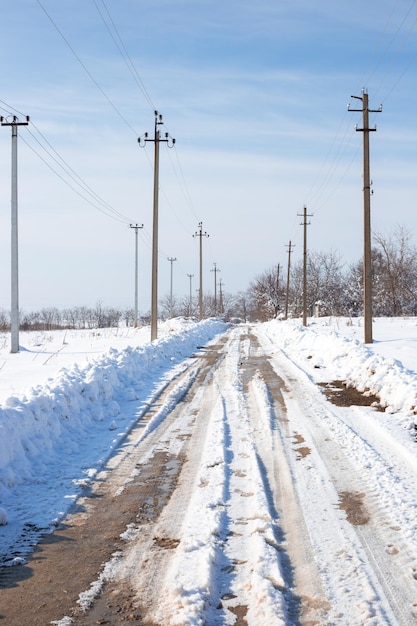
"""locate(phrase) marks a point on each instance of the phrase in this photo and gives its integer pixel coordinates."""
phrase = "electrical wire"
(87, 71)
(326, 183)
(79, 193)
(182, 182)
(118, 42)
(95, 200)
(75, 177)
(177, 168)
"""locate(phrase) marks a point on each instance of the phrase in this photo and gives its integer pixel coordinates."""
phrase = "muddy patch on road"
(341, 394)
(353, 505)
(303, 451)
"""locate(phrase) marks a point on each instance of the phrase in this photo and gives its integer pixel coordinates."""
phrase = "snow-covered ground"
(69, 398)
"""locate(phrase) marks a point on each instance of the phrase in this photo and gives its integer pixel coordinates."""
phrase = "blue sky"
(256, 97)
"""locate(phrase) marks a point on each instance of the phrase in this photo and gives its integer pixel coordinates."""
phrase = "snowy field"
(69, 398)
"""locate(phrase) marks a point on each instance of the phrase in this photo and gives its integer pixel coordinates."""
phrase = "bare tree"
(169, 308)
(395, 271)
(325, 281)
(266, 294)
(50, 318)
(4, 321)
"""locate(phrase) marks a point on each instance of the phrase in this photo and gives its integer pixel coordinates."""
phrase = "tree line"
(332, 289)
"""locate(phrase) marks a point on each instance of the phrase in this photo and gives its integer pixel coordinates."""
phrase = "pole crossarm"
(144, 139)
(12, 120)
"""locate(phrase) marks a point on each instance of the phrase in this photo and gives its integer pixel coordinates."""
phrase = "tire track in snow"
(227, 567)
(338, 463)
(264, 389)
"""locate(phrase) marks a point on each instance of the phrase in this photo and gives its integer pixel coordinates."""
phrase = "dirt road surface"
(234, 504)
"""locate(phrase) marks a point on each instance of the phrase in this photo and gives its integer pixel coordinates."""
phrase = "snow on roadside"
(330, 349)
(56, 435)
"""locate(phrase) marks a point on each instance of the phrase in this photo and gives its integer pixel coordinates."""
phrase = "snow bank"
(57, 434)
(323, 349)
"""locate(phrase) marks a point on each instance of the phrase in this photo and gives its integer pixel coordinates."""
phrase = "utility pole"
(367, 262)
(171, 260)
(215, 270)
(156, 141)
(200, 234)
(221, 297)
(136, 227)
(276, 305)
(304, 223)
(290, 247)
(190, 276)
(13, 122)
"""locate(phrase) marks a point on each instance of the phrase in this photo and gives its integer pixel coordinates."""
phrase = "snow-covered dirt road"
(242, 496)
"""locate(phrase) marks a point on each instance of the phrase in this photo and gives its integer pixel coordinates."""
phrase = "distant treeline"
(332, 289)
(52, 318)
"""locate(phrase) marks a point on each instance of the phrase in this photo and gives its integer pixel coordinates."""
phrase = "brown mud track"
(65, 562)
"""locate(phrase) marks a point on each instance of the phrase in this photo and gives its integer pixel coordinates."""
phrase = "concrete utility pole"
(200, 234)
(367, 262)
(156, 141)
(14, 309)
(136, 227)
(215, 270)
(191, 276)
(171, 260)
(290, 247)
(304, 223)
(221, 297)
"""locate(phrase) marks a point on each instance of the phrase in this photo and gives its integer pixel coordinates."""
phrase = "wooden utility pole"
(290, 247)
(367, 262)
(200, 234)
(304, 223)
(14, 308)
(154, 292)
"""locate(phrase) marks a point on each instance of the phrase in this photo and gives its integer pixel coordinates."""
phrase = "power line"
(118, 42)
(87, 71)
(106, 208)
(60, 161)
(113, 215)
